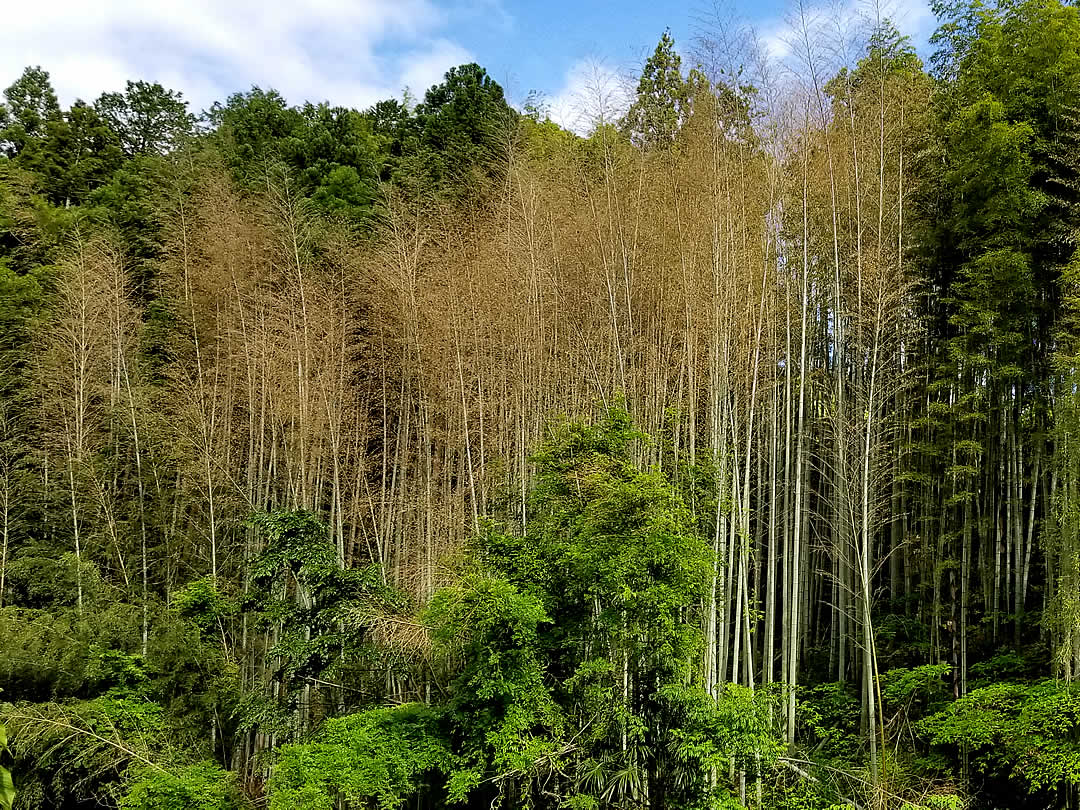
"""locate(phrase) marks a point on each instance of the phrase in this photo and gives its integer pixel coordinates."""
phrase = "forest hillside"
(433, 455)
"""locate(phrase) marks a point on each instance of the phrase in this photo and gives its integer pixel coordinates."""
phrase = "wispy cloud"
(592, 92)
(834, 31)
(351, 52)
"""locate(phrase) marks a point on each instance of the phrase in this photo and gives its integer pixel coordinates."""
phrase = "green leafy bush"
(1028, 732)
(7, 786)
(381, 756)
(203, 786)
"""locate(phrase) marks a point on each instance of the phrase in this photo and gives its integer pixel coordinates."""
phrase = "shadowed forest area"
(433, 455)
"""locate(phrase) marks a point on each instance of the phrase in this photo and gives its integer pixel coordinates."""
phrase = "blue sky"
(356, 52)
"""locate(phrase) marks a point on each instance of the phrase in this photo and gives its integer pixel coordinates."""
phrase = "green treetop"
(148, 119)
(661, 106)
(30, 105)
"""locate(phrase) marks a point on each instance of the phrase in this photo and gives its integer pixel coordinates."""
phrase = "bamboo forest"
(721, 453)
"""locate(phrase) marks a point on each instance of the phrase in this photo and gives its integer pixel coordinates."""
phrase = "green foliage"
(501, 711)
(78, 153)
(612, 555)
(334, 155)
(203, 604)
(249, 126)
(463, 124)
(1000, 215)
(940, 801)
(81, 751)
(902, 688)
(800, 794)
(20, 301)
(605, 530)
(296, 543)
(323, 611)
(1004, 197)
(562, 658)
(381, 756)
(147, 118)
(322, 616)
(30, 105)
(738, 727)
(128, 204)
(1031, 733)
(1008, 665)
(100, 705)
(545, 143)
(202, 786)
(116, 672)
(337, 158)
(57, 653)
(533, 651)
(663, 98)
(7, 786)
(829, 714)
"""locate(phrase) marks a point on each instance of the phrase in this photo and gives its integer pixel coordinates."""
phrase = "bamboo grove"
(260, 418)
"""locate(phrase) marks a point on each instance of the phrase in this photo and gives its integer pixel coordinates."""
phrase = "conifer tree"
(663, 98)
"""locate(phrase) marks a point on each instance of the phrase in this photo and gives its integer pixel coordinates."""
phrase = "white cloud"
(776, 40)
(592, 93)
(352, 52)
(836, 30)
(421, 69)
(914, 18)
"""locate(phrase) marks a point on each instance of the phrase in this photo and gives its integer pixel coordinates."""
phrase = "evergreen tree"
(463, 124)
(147, 118)
(663, 97)
(30, 105)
